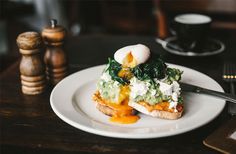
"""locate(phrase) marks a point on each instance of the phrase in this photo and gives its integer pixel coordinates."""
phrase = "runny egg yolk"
(129, 61)
(124, 93)
(125, 73)
(125, 119)
(123, 113)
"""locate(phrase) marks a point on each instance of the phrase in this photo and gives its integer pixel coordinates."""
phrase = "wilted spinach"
(113, 69)
(154, 68)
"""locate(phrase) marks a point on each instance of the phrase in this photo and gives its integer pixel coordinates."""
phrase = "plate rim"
(126, 135)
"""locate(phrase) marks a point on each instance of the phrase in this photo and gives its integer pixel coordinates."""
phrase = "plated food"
(135, 82)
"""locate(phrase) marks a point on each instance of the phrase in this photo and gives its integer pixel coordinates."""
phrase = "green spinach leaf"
(154, 68)
(113, 69)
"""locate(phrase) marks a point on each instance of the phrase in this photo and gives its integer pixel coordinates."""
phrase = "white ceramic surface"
(71, 101)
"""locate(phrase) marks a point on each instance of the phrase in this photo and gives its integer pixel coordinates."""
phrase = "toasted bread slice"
(105, 109)
(156, 113)
(102, 106)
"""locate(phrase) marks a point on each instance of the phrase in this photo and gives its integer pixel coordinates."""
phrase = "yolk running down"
(125, 119)
(125, 73)
(129, 61)
(123, 113)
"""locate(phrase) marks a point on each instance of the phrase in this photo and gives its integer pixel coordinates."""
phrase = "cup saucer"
(211, 47)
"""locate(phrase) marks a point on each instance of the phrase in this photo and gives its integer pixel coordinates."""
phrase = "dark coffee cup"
(191, 30)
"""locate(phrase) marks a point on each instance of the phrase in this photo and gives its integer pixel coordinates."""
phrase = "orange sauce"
(162, 106)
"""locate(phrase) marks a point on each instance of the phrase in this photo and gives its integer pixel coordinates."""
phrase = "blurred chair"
(223, 13)
(129, 17)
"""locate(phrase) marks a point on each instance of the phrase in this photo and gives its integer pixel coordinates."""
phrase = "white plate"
(71, 101)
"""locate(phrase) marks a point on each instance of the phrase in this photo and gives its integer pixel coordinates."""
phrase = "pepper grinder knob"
(53, 23)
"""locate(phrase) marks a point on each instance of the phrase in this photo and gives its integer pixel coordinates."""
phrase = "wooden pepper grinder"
(32, 67)
(55, 57)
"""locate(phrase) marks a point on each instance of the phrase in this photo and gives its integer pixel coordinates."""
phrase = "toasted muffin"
(164, 114)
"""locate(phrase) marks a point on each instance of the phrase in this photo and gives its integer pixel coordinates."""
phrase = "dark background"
(127, 17)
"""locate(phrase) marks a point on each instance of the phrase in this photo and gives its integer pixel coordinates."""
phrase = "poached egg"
(133, 55)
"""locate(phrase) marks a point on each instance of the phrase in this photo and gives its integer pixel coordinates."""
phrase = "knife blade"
(195, 89)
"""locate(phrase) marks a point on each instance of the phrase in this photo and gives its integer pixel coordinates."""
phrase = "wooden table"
(28, 124)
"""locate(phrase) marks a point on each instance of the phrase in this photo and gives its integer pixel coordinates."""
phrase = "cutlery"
(195, 89)
(174, 46)
(229, 75)
(167, 44)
